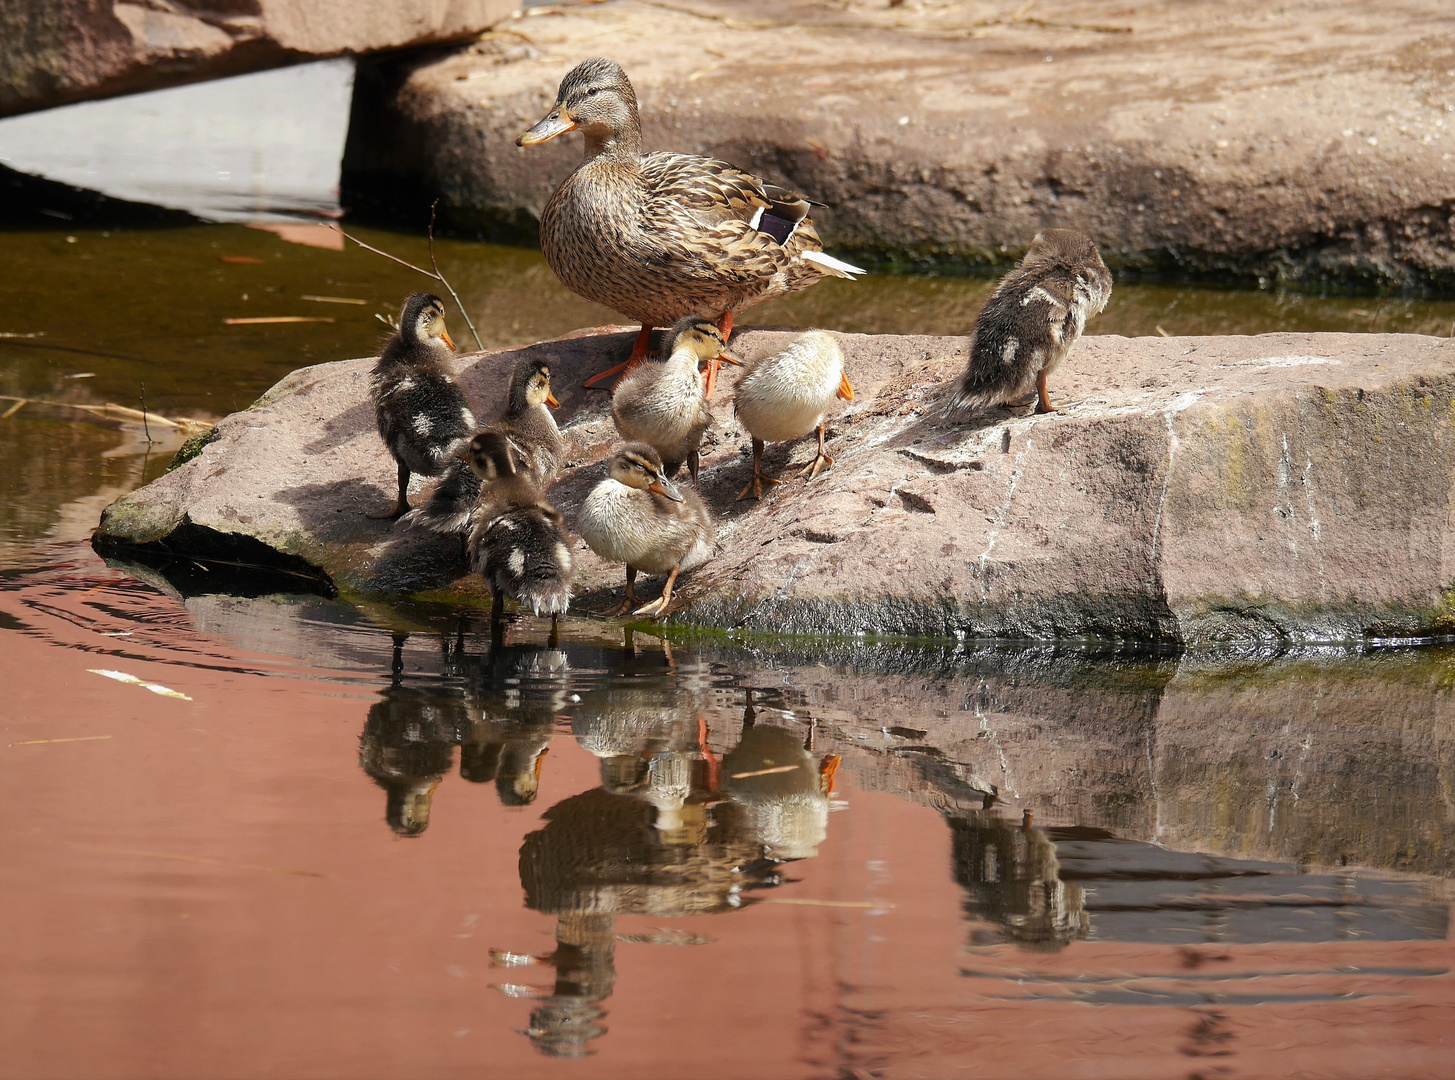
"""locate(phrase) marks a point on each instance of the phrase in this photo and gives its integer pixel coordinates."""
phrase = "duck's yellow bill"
(445, 337)
(729, 358)
(551, 400)
(556, 122)
(662, 486)
(845, 390)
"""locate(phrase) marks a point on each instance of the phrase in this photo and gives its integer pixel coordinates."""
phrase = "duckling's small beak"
(728, 357)
(662, 486)
(845, 390)
(551, 400)
(556, 122)
(445, 337)
(463, 453)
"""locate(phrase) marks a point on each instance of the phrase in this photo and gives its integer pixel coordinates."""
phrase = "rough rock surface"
(52, 53)
(1206, 491)
(1310, 142)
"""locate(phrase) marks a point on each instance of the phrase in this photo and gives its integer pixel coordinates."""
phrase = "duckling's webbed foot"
(754, 490)
(820, 462)
(401, 504)
(630, 598)
(658, 608)
(1043, 402)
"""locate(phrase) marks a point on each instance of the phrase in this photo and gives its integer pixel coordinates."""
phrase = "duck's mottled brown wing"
(700, 212)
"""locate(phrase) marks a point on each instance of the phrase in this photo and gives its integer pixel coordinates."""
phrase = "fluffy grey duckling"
(515, 541)
(785, 396)
(535, 443)
(1030, 323)
(422, 413)
(664, 404)
(639, 517)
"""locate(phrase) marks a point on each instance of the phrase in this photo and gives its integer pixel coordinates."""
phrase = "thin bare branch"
(433, 262)
(391, 258)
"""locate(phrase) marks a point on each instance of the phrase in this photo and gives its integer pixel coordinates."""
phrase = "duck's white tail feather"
(830, 265)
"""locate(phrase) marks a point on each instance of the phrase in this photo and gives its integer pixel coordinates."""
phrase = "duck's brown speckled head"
(595, 98)
(422, 318)
(637, 465)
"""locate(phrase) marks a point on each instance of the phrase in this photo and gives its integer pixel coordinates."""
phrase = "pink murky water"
(206, 886)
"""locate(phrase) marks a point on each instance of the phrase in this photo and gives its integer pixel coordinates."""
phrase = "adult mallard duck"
(421, 411)
(662, 236)
(784, 396)
(536, 447)
(639, 517)
(516, 543)
(665, 405)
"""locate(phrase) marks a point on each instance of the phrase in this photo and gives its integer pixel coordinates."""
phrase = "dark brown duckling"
(535, 443)
(516, 543)
(1030, 323)
(422, 413)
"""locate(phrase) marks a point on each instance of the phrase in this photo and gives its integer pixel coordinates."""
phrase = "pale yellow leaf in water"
(132, 680)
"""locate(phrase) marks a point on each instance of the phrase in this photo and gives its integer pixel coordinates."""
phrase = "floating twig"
(145, 427)
(19, 404)
(435, 273)
(331, 299)
(74, 738)
(258, 320)
(108, 409)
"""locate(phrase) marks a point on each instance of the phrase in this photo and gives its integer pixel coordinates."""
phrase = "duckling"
(515, 541)
(662, 236)
(421, 411)
(785, 396)
(639, 517)
(1030, 322)
(665, 405)
(534, 440)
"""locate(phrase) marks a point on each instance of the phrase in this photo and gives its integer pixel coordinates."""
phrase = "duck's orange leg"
(639, 353)
(709, 377)
(707, 755)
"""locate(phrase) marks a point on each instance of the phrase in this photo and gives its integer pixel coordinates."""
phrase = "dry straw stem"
(108, 410)
(427, 273)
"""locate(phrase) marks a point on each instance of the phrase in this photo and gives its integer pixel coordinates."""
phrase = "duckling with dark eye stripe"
(1030, 322)
(639, 517)
(535, 443)
(421, 411)
(516, 543)
(664, 404)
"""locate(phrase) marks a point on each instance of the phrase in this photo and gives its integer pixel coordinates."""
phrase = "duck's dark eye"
(593, 91)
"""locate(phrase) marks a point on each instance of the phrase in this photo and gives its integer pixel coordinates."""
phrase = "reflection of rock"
(1204, 493)
(1010, 876)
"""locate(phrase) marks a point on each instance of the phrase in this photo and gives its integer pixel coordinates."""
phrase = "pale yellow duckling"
(785, 396)
(639, 517)
(665, 404)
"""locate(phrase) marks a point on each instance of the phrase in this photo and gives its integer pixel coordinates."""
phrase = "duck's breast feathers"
(645, 531)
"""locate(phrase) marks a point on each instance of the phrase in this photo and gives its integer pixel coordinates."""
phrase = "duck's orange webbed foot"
(639, 353)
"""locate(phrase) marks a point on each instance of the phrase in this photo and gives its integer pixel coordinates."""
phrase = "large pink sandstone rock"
(1217, 138)
(1274, 489)
(58, 51)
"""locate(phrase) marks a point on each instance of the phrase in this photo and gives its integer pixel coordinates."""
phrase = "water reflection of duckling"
(1010, 874)
(638, 517)
(516, 543)
(783, 791)
(421, 411)
(600, 855)
(407, 746)
(664, 404)
(784, 396)
(1030, 322)
(536, 447)
(516, 693)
